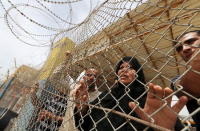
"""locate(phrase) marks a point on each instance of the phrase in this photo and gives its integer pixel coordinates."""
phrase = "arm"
(156, 98)
(80, 96)
(191, 80)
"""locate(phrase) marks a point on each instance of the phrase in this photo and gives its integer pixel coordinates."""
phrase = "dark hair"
(135, 65)
(179, 37)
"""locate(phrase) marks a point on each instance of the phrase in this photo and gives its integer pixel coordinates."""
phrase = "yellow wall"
(56, 57)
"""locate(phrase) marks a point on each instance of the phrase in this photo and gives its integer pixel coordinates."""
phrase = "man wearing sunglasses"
(187, 46)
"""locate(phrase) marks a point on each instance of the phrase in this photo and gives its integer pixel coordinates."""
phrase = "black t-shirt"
(117, 99)
(191, 105)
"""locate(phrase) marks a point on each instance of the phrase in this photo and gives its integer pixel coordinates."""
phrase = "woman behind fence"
(129, 87)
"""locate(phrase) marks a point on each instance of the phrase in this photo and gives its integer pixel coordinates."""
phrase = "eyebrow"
(124, 66)
(129, 66)
(189, 40)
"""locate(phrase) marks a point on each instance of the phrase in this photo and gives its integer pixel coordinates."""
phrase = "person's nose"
(124, 70)
(186, 48)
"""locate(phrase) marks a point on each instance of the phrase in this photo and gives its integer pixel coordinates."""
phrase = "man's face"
(187, 45)
(90, 76)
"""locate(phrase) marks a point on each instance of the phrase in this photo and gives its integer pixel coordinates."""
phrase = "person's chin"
(123, 82)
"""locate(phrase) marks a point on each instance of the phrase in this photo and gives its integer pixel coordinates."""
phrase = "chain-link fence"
(122, 46)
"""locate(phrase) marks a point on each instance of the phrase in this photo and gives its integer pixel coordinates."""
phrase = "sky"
(12, 49)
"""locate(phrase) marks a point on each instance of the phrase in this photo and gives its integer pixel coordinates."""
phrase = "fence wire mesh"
(82, 87)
